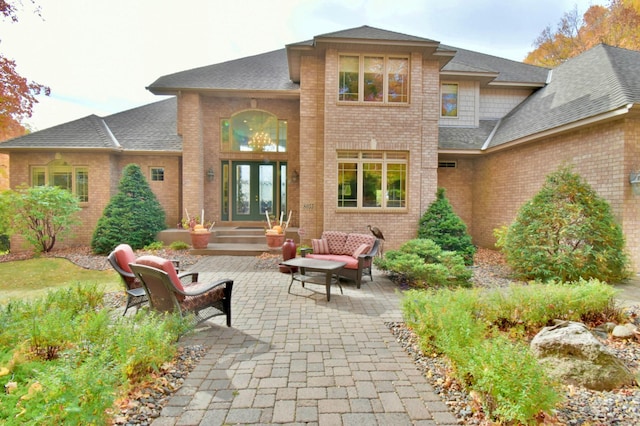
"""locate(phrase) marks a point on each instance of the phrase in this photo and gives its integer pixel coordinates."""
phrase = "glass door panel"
(253, 190)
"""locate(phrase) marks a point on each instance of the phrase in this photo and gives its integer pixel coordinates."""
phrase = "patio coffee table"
(326, 272)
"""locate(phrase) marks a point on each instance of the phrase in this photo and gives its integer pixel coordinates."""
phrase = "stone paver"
(296, 358)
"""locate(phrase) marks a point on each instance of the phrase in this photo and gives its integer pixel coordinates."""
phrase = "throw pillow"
(320, 246)
(362, 249)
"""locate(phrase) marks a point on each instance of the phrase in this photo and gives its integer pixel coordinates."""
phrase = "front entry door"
(253, 190)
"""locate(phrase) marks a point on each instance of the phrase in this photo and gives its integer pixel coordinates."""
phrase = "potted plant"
(275, 234)
(199, 232)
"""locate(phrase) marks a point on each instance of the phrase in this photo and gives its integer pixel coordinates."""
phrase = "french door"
(256, 187)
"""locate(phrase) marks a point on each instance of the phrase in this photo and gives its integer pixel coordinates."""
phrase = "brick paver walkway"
(298, 359)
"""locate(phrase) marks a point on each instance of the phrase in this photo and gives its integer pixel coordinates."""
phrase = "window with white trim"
(59, 173)
(373, 79)
(372, 180)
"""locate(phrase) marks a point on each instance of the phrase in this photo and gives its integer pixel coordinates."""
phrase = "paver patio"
(297, 358)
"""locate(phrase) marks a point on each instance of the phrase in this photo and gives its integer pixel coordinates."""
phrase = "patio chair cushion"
(165, 265)
(125, 256)
(354, 241)
(336, 241)
(320, 246)
(204, 299)
(362, 249)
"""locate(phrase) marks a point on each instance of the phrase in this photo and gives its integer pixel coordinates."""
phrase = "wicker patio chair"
(167, 293)
(120, 258)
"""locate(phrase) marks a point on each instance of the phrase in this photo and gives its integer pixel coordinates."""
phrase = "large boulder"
(572, 354)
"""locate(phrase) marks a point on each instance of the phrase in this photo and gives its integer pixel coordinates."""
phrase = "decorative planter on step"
(275, 241)
(200, 240)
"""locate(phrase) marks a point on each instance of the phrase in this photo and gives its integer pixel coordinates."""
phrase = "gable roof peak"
(366, 32)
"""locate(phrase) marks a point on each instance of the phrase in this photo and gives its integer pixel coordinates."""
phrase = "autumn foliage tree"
(616, 25)
(17, 94)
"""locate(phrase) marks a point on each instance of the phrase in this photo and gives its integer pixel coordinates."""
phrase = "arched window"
(254, 131)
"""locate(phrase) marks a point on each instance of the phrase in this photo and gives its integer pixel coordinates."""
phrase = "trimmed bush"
(133, 216)
(440, 224)
(421, 263)
(566, 232)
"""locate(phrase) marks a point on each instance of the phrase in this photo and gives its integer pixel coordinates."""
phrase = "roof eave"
(248, 93)
(597, 119)
(458, 151)
(57, 149)
(523, 84)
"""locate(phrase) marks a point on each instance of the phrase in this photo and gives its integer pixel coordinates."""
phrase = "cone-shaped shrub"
(440, 224)
(566, 232)
(133, 216)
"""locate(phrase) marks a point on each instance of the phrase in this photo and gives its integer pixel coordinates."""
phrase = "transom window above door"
(254, 131)
(374, 79)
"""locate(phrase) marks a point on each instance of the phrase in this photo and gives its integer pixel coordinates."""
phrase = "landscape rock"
(623, 332)
(571, 353)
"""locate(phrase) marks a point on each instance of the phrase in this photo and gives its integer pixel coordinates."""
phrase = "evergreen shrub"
(421, 263)
(440, 224)
(133, 216)
(565, 232)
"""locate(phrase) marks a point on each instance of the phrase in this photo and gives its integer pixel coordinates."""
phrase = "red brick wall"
(412, 128)
(500, 182)
(213, 110)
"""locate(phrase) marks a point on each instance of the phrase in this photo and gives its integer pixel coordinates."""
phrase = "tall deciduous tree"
(616, 25)
(17, 94)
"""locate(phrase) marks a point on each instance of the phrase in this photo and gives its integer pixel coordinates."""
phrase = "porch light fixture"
(634, 180)
(210, 174)
(295, 176)
(259, 141)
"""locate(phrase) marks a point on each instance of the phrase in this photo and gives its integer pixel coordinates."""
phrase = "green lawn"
(28, 279)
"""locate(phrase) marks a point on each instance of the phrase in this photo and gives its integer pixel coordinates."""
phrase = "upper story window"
(254, 131)
(449, 100)
(375, 79)
(59, 173)
(372, 180)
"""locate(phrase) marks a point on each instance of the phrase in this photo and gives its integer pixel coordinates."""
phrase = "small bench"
(356, 250)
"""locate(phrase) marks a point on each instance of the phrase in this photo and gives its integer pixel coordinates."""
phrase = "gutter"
(611, 115)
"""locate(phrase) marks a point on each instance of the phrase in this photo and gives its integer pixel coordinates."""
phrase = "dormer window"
(373, 79)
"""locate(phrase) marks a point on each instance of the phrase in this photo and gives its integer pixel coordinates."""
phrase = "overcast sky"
(97, 56)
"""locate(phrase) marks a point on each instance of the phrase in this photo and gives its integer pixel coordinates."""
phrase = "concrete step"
(232, 249)
(229, 241)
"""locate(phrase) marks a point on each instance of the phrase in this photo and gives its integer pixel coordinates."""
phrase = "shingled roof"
(599, 81)
(366, 32)
(150, 127)
(267, 71)
(506, 70)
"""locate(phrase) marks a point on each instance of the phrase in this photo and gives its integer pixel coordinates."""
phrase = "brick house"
(358, 127)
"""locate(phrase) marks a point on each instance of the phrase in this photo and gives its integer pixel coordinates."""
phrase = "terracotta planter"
(275, 241)
(200, 240)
